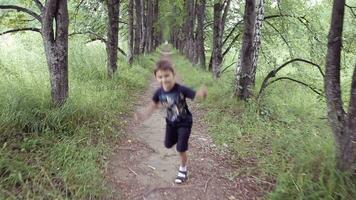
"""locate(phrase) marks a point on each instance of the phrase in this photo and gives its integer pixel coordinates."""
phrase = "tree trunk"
(131, 32)
(150, 10)
(200, 54)
(155, 26)
(243, 79)
(257, 37)
(138, 27)
(144, 21)
(56, 47)
(216, 54)
(112, 34)
(189, 29)
(220, 14)
(343, 124)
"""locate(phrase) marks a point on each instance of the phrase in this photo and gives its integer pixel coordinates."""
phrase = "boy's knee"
(168, 145)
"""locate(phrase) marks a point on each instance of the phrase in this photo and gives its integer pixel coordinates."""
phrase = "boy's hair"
(163, 64)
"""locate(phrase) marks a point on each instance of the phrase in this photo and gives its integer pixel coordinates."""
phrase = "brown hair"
(163, 64)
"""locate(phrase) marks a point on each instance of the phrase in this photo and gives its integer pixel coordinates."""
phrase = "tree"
(243, 72)
(220, 14)
(54, 30)
(131, 31)
(343, 123)
(200, 50)
(189, 29)
(257, 37)
(138, 27)
(112, 35)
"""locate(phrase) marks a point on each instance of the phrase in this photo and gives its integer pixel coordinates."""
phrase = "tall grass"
(284, 139)
(57, 153)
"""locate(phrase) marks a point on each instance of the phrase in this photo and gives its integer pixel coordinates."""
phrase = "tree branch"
(21, 9)
(297, 81)
(351, 9)
(38, 4)
(231, 32)
(230, 45)
(273, 73)
(21, 29)
(300, 19)
(97, 37)
(280, 34)
(227, 67)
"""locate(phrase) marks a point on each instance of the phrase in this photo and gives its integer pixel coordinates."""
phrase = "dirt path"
(142, 168)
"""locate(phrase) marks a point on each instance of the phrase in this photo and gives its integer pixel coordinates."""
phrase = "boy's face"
(165, 78)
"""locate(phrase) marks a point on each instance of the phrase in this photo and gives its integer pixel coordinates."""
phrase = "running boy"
(179, 119)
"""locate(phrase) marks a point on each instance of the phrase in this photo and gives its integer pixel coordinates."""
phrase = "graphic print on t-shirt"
(174, 105)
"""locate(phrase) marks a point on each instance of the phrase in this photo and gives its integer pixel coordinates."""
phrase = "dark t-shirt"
(174, 100)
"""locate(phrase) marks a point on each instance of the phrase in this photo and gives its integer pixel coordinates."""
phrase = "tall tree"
(200, 50)
(131, 31)
(220, 13)
(343, 123)
(54, 30)
(243, 79)
(257, 37)
(149, 18)
(138, 27)
(144, 24)
(112, 35)
(189, 29)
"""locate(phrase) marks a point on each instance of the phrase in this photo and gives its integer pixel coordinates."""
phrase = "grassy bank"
(56, 153)
(285, 140)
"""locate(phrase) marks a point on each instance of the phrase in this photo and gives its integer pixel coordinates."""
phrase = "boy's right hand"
(202, 92)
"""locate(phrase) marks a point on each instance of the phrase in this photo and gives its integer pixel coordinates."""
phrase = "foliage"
(59, 153)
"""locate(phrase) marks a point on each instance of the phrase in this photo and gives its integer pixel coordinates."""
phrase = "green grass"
(285, 139)
(57, 153)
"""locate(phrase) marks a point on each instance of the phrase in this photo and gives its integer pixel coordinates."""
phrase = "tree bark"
(112, 36)
(144, 24)
(243, 79)
(56, 47)
(150, 10)
(343, 124)
(200, 50)
(220, 13)
(131, 32)
(189, 29)
(257, 37)
(216, 55)
(138, 27)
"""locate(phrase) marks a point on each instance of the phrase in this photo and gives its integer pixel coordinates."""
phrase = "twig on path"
(167, 188)
(206, 184)
(132, 171)
(129, 149)
(151, 167)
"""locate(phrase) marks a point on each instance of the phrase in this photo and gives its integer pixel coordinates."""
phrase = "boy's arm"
(142, 116)
(201, 93)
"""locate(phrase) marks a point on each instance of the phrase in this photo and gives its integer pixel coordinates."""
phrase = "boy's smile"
(166, 79)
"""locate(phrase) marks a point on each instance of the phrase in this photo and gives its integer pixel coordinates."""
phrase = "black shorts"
(177, 135)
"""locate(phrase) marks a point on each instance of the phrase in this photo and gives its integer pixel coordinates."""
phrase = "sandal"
(181, 177)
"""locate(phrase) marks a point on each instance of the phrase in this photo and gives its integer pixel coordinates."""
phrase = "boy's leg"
(183, 159)
(182, 147)
(171, 137)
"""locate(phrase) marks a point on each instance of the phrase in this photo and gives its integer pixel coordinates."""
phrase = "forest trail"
(142, 168)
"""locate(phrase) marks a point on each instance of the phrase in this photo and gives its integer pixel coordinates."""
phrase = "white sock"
(183, 169)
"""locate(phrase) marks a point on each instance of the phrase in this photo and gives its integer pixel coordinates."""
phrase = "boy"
(179, 120)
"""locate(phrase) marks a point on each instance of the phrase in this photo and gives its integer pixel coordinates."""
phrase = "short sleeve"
(187, 92)
(155, 96)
